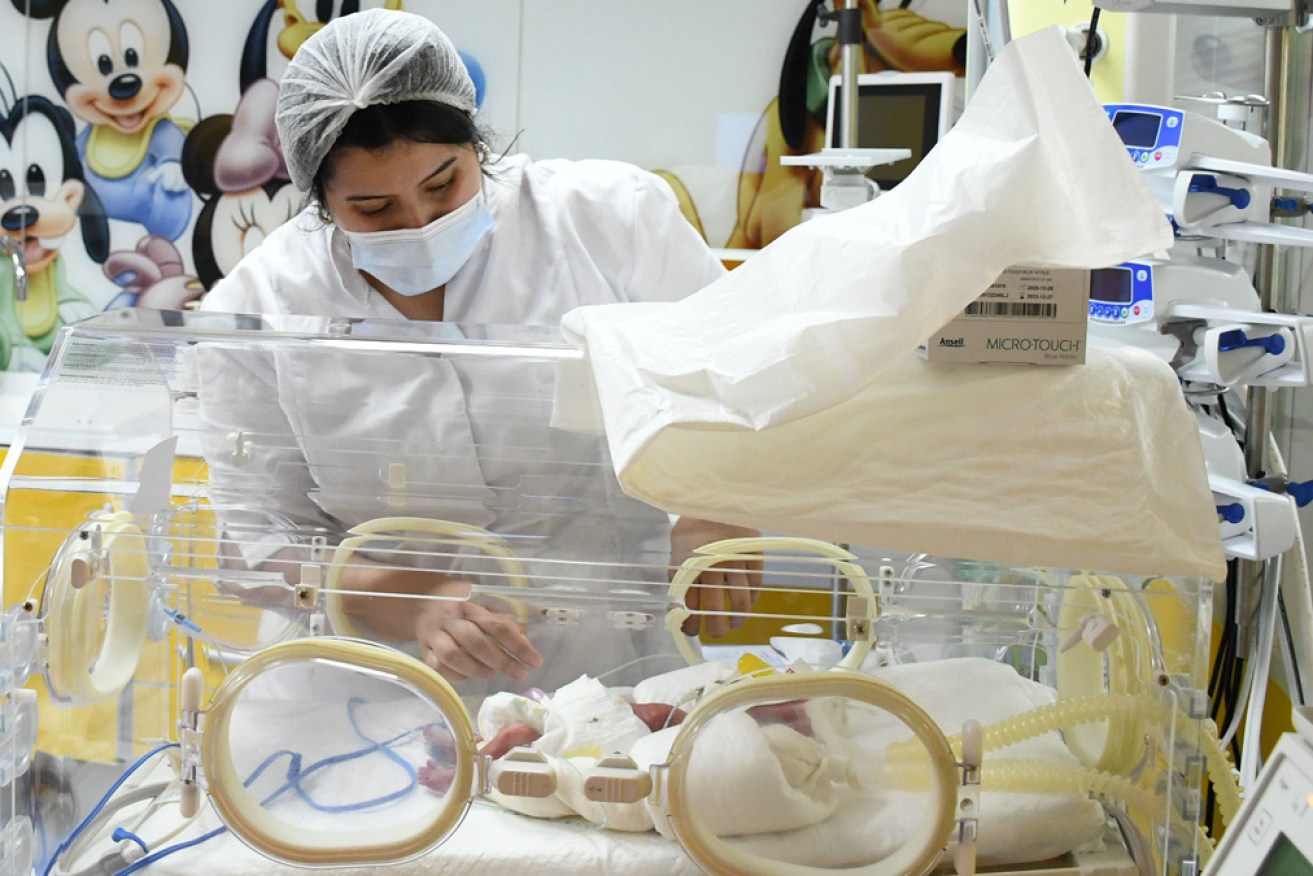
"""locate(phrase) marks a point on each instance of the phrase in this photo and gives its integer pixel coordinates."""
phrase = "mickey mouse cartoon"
(120, 65)
(42, 200)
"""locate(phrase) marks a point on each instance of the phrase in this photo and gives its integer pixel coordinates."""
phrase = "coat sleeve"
(670, 259)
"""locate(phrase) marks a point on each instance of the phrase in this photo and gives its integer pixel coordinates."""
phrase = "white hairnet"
(372, 57)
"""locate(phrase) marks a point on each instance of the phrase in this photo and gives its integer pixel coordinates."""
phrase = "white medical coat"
(568, 233)
(330, 430)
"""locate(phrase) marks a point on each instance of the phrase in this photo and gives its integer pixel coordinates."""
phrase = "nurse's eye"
(371, 211)
(440, 188)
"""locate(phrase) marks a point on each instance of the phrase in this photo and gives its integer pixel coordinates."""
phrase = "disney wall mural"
(157, 194)
(139, 161)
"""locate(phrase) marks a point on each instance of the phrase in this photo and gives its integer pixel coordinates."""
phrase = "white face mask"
(411, 261)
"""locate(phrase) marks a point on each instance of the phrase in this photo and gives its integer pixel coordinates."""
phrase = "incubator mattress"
(489, 842)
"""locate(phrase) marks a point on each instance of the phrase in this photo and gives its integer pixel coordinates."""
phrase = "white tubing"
(1251, 753)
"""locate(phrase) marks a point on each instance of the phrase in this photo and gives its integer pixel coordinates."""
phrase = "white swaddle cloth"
(766, 398)
(806, 795)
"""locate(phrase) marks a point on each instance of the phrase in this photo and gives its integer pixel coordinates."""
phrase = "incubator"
(192, 683)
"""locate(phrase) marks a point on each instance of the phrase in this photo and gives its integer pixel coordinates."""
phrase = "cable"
(95, 810)
(1090, 37)
(628, 663)
(295, 775)
(1291, 652)
(136, 795)
(1251, 749)
(162, 853)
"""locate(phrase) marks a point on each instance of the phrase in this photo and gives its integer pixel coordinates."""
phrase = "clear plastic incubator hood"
(202, 674)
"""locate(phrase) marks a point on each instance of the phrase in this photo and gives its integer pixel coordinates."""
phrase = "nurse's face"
(403, 185)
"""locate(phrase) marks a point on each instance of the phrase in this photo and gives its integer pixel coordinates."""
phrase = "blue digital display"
(1122, 295)
(1151, 134)
(1137, 129)
(1111, 285)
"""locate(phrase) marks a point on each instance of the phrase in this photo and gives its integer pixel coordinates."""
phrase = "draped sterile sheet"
(787, 395)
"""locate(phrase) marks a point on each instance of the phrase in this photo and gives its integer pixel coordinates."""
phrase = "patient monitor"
(896, 111)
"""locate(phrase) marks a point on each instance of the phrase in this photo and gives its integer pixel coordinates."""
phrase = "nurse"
(411, 217)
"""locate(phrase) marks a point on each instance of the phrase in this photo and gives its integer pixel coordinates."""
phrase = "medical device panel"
(1273, 832)
(198, 674)
(1122, 295)
(1213, 181)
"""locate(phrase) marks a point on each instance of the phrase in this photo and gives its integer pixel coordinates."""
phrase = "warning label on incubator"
(106, 363)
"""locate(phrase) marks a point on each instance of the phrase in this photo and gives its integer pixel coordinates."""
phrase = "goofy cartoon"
(42, 198)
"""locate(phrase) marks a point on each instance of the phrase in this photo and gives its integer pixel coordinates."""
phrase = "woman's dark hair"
(381, 125)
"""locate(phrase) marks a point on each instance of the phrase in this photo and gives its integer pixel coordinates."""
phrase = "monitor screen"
(894, 116)
(1139, 130)
(1110, 285)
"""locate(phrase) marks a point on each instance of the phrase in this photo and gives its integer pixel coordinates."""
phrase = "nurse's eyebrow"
(440, 168)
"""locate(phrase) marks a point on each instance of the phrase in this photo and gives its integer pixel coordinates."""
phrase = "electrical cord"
(1261, 639)
(1292, 649)
(116, 859)
(104, 801)
(294, 776)
(1223, 689)
(1088, 53)
(173, 849)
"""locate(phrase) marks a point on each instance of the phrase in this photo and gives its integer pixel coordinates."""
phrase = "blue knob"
(1233, 513)
(1301, 492)
(1236, 339)
(1208, 185)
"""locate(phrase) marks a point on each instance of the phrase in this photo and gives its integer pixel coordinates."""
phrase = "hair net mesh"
(372, 57)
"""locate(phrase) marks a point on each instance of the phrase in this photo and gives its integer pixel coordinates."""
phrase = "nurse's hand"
(457, 638)
(466, 640)
(731, 586)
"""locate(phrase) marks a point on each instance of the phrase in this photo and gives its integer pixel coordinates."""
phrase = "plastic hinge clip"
(616, 779)
(857, 623)
(562, 616)
(521, 772)
(631, 620)
(306, 594)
